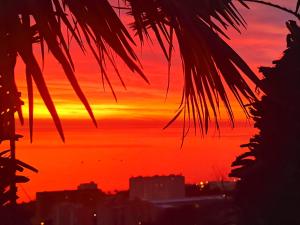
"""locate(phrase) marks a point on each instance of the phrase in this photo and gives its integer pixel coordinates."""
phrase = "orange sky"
(130, 140)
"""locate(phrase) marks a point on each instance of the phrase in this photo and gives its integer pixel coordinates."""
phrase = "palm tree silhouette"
(26, 23)
(198, 26)
(95, 25)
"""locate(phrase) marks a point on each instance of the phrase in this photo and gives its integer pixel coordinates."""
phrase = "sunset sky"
(130, 140)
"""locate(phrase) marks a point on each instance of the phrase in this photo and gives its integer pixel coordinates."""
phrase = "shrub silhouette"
(269, 172)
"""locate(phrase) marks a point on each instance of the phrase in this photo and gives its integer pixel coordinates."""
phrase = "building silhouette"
(157, 187)
(157, 200)
(69, 207)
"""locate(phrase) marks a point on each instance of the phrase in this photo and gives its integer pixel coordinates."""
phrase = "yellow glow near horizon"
(77, 111)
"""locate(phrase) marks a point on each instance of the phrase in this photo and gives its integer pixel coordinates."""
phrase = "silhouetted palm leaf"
(8, 166)
(209, 63)
(93, 22)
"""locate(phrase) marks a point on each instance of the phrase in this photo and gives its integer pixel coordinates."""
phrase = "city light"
(201, 185)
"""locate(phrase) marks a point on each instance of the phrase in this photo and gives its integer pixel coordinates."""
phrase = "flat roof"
(187, 200)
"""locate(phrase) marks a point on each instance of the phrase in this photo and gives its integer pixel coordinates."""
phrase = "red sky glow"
(130, 140)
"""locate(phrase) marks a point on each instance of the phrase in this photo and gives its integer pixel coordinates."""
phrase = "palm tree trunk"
(9, 100)
(13, 185)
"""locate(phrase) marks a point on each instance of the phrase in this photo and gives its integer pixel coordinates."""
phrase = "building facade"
(69, 207)
(157, 187)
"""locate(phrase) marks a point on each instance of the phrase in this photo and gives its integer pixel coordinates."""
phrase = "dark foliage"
(8, 176)
(268, 192)
(51, 24)
(91, 24)
(209, 64)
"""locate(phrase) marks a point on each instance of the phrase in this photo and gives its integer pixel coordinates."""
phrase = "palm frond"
(92, 24)
(277, 6)
(7, 175)
(209, 63)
